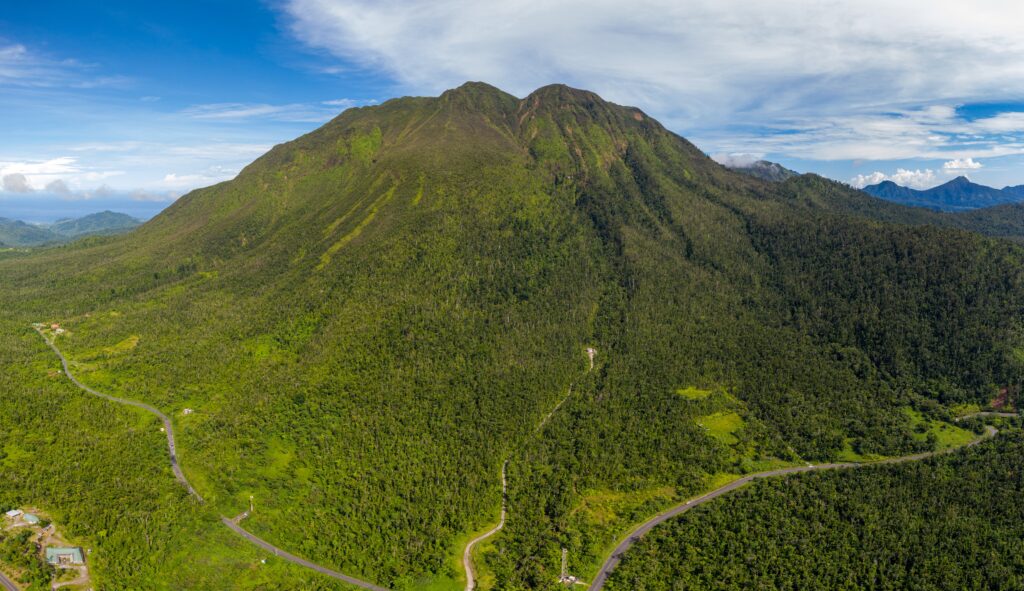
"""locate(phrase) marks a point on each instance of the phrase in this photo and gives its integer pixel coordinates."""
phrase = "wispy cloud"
(21, 67)
(818, 80)
(293, 112)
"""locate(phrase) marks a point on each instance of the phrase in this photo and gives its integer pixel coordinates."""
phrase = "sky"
(128, 105)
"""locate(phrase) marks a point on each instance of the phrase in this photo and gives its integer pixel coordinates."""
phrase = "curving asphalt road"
(987, 413)
(616, 556)
(467, 555)
(232, 524)
(150, 409)
(295, 559)
(8, 584)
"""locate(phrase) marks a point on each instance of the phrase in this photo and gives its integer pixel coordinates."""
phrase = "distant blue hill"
(15, 233)
(959, 194)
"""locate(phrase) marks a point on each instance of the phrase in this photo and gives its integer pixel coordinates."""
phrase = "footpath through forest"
(231, 524)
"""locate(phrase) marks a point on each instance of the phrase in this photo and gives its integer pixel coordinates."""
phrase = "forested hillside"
(948, 523)
(369, 320)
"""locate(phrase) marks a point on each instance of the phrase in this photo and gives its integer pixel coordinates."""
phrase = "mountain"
(369, 322)
(106, 222)
(16, 233)
(958, 194)
(766, 171)
(998, 221)
(19, 234)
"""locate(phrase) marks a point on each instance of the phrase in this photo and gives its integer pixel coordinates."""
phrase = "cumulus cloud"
(16, 183)
(915, 179)
(58, 187)
(960, 165)
(737, 160)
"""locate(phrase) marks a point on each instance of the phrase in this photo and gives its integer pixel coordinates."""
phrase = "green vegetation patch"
(722, 426)
(944, 435)
(693, 393)
(123, 347)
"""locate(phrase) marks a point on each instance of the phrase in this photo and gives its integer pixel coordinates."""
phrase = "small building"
(14, 513)
(30, 519)
(65, 556)
(54, 326)
(187, 411)
(59, 331)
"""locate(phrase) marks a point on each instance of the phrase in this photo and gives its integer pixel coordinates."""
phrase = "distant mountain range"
(765, 170)
(958, 194)
(20, 234)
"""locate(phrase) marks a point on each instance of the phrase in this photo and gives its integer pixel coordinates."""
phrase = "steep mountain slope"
(958, 194)
(999, 221)
(369, 320)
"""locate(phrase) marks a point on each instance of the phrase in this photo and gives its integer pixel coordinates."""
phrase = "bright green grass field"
(722, 426)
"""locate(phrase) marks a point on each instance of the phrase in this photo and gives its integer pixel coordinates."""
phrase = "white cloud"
(58, 187)
(153, 196)
(293, 112)
(19, 66)
(210, 176)
(16, 183)
(872, 79)
(960, 165)
(915, 179)
(708, 54)
(737, 160)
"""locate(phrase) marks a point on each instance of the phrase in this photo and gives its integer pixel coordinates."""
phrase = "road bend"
(231, 524)
(467, 555)
(634, 536)
(168, 428)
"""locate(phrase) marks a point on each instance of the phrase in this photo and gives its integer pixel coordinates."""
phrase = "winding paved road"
(232, 524)
(467, 555)
(616, 556)
(297, 560)
(150, 409)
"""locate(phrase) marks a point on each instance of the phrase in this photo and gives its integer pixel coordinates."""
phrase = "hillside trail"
(232, 524)
(634, 536)
(467, 554)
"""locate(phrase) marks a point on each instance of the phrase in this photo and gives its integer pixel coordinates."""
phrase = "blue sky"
(128, 105)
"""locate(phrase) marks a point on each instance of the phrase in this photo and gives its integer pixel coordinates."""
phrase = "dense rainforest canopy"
(369, 320)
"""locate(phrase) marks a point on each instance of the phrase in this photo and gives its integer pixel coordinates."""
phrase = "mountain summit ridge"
(371, 319)
(958, 194)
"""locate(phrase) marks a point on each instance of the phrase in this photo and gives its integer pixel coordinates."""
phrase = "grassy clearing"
(693, 393)
(123, 347)
(722, 426)
(946, 435)
(849, 455)
(960, 410)
(605, 507)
